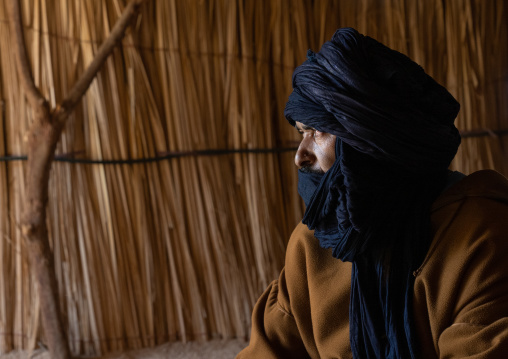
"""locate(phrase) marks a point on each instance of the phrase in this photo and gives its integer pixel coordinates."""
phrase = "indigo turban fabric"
(377, 101)
(395, 141)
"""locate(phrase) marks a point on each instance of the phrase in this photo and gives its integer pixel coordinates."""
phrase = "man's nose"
(304, 156)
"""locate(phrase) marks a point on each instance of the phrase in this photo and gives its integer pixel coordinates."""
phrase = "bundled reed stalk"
(180, 249)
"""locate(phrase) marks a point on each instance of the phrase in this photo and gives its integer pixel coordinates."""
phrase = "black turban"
(376, 100)
(395, 141)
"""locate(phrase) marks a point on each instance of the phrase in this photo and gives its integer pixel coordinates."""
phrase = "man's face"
(316, 152)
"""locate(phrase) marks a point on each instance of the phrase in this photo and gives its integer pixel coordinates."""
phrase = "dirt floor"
(215, 349)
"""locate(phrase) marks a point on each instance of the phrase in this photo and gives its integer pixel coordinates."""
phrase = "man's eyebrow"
(304, 128)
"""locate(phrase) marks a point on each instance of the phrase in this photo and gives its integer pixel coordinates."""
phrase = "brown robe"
(460, 292)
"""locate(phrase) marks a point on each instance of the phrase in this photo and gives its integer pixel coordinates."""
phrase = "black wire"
(166, 156)
(210, 152)
(466, 134)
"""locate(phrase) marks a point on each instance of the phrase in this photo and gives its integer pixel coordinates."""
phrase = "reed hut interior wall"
(173, 193)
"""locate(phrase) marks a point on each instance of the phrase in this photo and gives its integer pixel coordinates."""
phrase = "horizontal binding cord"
(177, 154)
(161, 157)
(484, 132)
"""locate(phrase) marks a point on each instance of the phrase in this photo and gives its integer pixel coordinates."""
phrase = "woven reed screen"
(180, 248)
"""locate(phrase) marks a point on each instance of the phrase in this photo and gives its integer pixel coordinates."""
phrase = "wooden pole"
(42, 139)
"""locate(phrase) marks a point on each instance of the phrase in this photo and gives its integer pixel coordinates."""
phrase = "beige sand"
(214, 349)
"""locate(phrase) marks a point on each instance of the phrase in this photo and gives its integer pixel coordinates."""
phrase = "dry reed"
(180, 249)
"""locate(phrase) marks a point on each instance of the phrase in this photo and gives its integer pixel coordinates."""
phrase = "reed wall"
(158, 233)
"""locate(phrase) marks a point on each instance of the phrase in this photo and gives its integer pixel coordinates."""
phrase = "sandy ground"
(214, 349)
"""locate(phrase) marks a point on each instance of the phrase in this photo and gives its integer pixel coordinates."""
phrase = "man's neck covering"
(395, 141)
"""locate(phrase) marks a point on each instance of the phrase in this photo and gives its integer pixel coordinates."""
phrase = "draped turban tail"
(395, 141)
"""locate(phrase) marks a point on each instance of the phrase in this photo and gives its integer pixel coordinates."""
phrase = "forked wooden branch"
(42, 139)
(114, 38)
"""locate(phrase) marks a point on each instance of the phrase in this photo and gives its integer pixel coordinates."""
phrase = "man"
(396, 257)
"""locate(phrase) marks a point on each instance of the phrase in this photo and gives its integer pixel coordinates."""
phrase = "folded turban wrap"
(395, 141)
